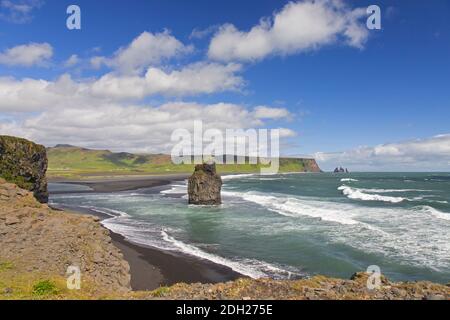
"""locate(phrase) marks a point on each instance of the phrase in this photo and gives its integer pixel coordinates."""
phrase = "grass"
(77, 163)
(16, 283)
(6, 265)
(44, 288)
(160, 292)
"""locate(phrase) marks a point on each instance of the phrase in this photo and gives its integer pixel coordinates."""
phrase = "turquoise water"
(291, 225)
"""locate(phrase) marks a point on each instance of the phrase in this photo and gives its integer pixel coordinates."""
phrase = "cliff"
(24, 163)
(299, 164)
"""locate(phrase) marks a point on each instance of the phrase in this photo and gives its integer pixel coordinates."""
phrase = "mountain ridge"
(68, 160)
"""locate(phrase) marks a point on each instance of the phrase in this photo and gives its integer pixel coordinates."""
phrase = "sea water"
(293, 225)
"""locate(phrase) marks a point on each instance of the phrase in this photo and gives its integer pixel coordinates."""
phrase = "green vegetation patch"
(44, 288)
(160, 292)
(6, 265)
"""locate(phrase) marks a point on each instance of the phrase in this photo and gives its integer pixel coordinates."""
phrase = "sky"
(371, 100)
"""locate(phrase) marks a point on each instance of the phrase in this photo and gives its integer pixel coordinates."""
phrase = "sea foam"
(252, 268)
(293, 207)
(435, 213)
(358, 194)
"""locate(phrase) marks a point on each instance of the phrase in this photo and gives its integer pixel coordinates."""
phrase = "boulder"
(204, 185)
(24, 163)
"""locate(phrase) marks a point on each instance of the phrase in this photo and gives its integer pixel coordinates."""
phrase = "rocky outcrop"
(41, 241)
(341, 170)
(204, 185)
(24, 163)
(315, 288)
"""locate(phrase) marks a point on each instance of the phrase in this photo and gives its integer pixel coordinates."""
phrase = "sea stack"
(24, 163)
(204, 185)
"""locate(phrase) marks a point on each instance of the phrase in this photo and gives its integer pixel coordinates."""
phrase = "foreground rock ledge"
(315, 288)
(204, 185)
(38, 240)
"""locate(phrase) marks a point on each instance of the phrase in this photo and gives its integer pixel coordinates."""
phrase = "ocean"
(288, 226)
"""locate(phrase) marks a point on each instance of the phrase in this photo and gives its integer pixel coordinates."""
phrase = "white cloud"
(203, 33)
(72, 61)
(34, 94)
(27, 55)
(193, 79)
(146, 50)
(416, 155)
(133, 128)
(18, 11)
(264, 112)
(299, 26)
(287, 133)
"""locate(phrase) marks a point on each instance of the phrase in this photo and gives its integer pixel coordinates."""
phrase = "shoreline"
(150, 267)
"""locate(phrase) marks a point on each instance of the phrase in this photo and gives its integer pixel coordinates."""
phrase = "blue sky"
(335, 97)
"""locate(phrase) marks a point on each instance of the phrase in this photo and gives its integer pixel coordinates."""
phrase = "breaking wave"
(252, 268)
(435, 213)
(349, 180)
(293, 207)
(358, 194)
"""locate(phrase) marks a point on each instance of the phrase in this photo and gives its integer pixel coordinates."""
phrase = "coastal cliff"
(24, 163)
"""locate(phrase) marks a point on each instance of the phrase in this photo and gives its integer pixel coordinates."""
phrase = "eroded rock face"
(24, 163)
(204, 185)
(38, 239)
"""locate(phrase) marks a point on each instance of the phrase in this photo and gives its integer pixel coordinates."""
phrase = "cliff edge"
(24, 163)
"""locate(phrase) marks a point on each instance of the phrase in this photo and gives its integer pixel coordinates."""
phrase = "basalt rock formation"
(24, 163)
(204, 185)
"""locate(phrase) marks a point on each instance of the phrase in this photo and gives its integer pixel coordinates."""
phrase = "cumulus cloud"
(146, 50)
(264, 112)
(33, 94)
(197, 78)
(18, 11)
(134, 128)
(27, 55)
(299, 26)
(417, 155)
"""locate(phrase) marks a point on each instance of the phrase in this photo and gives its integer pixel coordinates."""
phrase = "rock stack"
(204, 185)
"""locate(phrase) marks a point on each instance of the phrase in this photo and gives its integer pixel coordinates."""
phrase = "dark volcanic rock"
(204, 185)
(24, 163)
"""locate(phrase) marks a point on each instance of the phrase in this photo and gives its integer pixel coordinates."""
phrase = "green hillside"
(73, 162)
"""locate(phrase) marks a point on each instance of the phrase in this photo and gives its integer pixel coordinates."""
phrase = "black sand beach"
(124, 183)
(150, 267)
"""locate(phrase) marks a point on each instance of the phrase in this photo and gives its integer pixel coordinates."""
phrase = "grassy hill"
(67, 161)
